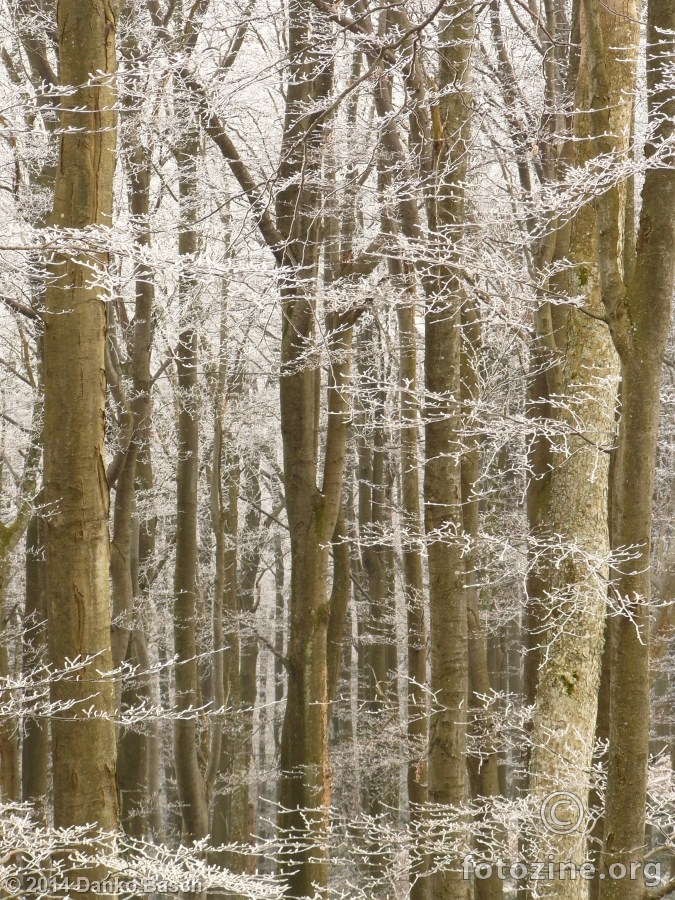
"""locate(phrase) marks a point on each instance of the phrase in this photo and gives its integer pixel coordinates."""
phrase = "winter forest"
(337, 449)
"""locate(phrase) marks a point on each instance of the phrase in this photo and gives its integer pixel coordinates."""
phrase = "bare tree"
(76, 489)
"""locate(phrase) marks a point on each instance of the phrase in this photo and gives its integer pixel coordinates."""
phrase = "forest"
(337, 449)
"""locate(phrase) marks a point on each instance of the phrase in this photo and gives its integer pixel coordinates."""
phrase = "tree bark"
(136, 770)
(637, 299)
(76, 490)
(640, 321)
(35, 745)
(227, 754)
(312, 509)
(484, 771)
(413, 582)
(191, 785)
(442, 478)
(379, 782)
(567, 693)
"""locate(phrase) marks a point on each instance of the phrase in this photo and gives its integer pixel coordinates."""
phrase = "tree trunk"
(35, 745)
(230, 801)
(442, 478)
(10, 537)
(567, 693)
(10, 782)
(135, 767)
(566, 700)
(312, 509)
(413, 581)
(484, 772)
(191, 785)
(637, 298)
(379, 783)
(76, 490)
(279, 631)
(249, 564)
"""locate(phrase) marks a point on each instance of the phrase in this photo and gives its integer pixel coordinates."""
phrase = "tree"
(444, 521)
(312, 507)
(569, 677)
(637, 298)
(75, 487)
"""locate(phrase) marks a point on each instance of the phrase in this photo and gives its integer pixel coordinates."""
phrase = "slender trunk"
(411, 515)
(413, 585)
(637, 301)
(380, 779)
(339, 604)
(442, 478)
(122, 594)
(227, 771)
(35, 745)
(10, 783)
(539, 464)
(312, 509)
(595, 838)
(191, 785)
(484, 771)
(132, 544)
(629, 637)
(249, 565)
(146, 529)
(595, 797)
(279, 630)
(132, 757)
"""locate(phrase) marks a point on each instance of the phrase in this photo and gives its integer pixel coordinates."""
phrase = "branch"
(591, 315)
(660, 892)
(165, 365)
(253, 191)
(15, 372)
(284, 660)
(39, 62)
(7, 418)
(526, 31)
(370, 45)
(271, 517)
(237, 40)
(190, 27)
(20, 308)
(367, 261)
